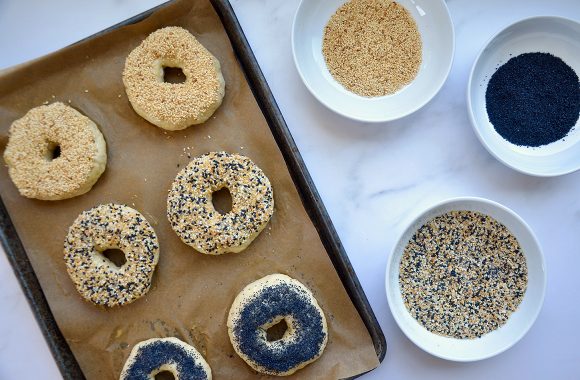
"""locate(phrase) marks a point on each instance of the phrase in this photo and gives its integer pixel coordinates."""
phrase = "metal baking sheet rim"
(18, 258)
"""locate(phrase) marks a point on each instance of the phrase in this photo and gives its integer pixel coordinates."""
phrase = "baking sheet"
(191, 293)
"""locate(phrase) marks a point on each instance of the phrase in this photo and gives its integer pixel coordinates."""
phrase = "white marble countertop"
(371, 178)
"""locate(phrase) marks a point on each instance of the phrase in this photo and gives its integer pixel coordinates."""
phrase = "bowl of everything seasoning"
(466, 279)
(373, 60)
(523, 96)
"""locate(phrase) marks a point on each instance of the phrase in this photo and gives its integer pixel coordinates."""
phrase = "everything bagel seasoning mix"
(462, 275)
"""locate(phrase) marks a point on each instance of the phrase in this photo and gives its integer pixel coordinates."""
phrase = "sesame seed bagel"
(263, 304)
(111, 226)
(153, 356)
(173, 106)
(55, 152)
(191, 212)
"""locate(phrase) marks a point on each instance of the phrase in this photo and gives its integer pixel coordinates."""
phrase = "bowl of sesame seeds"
(466, 279)
(373, 60)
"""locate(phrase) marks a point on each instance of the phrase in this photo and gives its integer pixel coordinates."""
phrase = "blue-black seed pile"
(462, 274)
(282, 299)
(533, 99)
(152, 355)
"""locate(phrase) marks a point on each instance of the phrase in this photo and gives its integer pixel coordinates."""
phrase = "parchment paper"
(191, 293)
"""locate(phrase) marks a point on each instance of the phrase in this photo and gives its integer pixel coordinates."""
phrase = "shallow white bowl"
(434, 22)
(520, 321)
(555, 35)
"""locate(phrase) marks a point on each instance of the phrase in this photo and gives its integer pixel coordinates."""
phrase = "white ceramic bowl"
(436, 28)
(555, 35)
(520, 321)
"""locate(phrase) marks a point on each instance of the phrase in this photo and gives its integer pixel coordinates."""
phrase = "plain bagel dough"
(173, 106)
(30, 150)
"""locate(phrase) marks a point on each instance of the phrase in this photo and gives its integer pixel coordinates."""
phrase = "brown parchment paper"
(191, 293)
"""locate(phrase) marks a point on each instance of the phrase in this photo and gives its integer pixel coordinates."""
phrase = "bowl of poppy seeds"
(466, 279)
(373, 60)
(524, 96)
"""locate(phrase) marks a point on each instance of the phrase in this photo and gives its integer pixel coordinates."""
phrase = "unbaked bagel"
(54, 152)
(264, 303)
(193, 216)
(153, 356)
(111, 226)
(173, 106)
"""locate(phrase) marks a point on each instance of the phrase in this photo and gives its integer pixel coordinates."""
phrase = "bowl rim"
(398, 318)
(476, 126)
(362, 118)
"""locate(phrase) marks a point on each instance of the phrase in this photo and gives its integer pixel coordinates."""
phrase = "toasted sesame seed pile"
(192, 215)
(462, 275)
(27, 154)
(105, 227)
(372, 47)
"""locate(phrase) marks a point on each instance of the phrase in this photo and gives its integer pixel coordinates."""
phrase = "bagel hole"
(56, 152)
(53, 151)
(173, 75)
(222, 200)
(116, 256)
(165, 375)
(277, 331)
